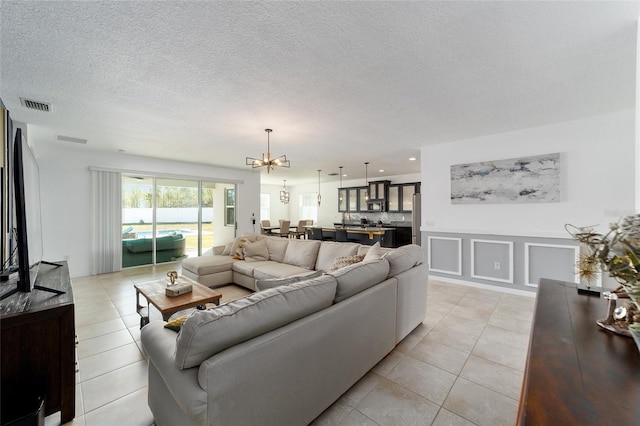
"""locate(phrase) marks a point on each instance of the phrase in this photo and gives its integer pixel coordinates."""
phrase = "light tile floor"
(462, 366)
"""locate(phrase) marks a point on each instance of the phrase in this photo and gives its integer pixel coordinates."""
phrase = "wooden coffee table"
(154, 292)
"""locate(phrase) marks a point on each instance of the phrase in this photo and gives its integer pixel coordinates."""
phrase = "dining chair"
(265, 224)
(284, 228)
(300, 229)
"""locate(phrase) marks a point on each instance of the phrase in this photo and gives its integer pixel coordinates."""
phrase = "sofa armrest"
(215, 250)
(412, 299)
(160, 345)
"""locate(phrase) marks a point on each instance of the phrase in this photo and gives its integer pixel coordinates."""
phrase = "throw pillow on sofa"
(344, 261)
(374, 253)
(176, 324)
(248, 236)
(256, 251)
(227, 249)
(239, 252)
(208, 332)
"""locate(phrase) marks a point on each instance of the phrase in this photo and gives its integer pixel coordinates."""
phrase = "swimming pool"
(160, 233)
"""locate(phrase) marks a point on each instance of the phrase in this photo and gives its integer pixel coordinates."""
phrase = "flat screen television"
(26, 181)
(28, 223)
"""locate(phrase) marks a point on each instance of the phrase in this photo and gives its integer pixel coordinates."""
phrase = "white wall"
(598, 166)
(66, 196)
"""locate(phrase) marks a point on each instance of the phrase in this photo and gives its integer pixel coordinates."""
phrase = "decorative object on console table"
(618, 253)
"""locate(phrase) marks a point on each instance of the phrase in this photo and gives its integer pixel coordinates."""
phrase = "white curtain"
(106, 198)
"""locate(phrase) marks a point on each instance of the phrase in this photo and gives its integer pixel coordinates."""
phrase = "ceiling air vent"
(70, 139)
(37, 105)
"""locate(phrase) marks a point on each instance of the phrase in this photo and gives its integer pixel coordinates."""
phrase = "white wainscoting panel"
(509, 245)
(458, 251)
(530, 279)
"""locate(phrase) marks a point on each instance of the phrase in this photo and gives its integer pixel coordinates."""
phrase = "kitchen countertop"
(373, 225)
(358, 228)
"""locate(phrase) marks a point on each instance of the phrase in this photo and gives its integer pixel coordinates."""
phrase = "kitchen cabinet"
(393, 198)
(383, 196)
(378, 190)
(342, 200)
(352, 197)
(407, 192)
(362, 199)
(400, 197)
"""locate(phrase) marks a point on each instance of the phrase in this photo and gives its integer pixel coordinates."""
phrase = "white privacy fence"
(163, 215)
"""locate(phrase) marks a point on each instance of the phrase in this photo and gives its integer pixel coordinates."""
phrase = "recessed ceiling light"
(412, 159)
(381, 170)
(344, 175)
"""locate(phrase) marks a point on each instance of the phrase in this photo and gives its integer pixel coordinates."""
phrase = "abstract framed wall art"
(516, 180)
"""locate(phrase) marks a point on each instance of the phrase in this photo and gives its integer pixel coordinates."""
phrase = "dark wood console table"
(38, 346)
(577, 373)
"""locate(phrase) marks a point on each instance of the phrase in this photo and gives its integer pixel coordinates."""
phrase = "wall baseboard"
(485, 286)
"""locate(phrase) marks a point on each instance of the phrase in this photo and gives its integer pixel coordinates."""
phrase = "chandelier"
(284, 194)
(266, 160)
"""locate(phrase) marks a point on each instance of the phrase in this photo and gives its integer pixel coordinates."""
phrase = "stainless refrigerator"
(416, 220)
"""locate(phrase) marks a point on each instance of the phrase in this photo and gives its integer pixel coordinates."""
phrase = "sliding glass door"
(167, 219)
(137, 220)
(177, 219)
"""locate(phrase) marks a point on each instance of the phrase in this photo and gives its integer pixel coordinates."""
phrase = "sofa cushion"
(208, 332)
(277, 247)
(205, 265)
(138, 246)
(344, 261)
(275, 282)
(277, 270)
(302, 253)
(358, 277)
(404, 258)
(330, 251)
(248, 268)
(256, 251)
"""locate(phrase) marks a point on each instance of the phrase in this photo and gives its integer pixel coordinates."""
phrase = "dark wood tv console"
(38, 346)
(577, 373)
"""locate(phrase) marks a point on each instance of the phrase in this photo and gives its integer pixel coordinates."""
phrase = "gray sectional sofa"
(284, 354)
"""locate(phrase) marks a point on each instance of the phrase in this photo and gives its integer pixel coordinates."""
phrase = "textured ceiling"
(340, 83)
